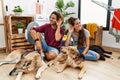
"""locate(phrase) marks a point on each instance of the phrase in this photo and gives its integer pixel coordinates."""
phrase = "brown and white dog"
(69, 56)
(26, 62)
(32, 62)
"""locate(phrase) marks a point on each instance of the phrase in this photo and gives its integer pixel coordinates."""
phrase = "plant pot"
(18, 13)
(20, 30)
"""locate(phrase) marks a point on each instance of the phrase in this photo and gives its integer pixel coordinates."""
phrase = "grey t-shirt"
(75, 38)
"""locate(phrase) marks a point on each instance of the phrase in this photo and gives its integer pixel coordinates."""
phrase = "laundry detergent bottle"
(38, 7)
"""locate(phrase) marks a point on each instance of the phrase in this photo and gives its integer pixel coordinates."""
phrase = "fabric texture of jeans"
(91, 55)
(47, 48)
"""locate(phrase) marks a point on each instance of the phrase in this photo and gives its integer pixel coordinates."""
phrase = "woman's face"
(77, 25)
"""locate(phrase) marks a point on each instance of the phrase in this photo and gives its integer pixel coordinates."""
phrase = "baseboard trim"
(111, 48)
(2, 50)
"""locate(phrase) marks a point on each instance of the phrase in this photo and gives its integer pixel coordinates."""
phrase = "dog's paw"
(37, 76)
(50, 64)
(0, 64)
(80, 75)
(59, 71)
(79, 78)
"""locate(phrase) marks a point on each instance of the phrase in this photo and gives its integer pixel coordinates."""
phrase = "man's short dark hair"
(58, 15)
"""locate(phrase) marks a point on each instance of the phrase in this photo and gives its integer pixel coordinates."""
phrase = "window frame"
(108, 14)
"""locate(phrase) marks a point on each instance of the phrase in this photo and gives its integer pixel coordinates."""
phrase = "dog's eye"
(27, 63)
(72, 49)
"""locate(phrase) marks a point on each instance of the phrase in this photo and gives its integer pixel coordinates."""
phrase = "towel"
(115, 22)
(115, 29)
(92, 28)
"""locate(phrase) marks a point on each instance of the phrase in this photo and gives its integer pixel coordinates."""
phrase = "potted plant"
(18, 10)
(20, 27)
(62, 8)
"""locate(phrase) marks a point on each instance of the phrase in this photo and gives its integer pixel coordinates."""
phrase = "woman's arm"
(87, 46)
(70, 31)
(68, 39)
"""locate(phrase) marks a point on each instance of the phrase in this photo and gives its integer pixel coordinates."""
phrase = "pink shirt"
(49, 34)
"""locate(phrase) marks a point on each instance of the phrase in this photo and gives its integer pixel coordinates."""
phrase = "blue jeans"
(91, 55)
(47, 48)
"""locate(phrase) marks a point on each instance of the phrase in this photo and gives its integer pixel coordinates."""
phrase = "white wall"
(29, 5)
(29, 8)
(2, 37)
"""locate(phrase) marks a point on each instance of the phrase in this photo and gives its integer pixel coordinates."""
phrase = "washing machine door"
(27, 31)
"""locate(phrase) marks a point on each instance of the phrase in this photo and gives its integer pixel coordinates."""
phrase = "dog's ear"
(62, 47)
(37, 57)
(24, 54)
(68, 47)
(71, 47)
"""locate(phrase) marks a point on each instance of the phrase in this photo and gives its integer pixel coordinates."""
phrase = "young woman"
(80, 38)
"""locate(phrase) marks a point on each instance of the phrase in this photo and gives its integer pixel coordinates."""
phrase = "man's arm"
(57, 33)
(36, 36)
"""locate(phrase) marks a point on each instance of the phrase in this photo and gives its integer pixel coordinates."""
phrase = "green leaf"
(62, 8)
(19, 25)
(69, 4)
(17, 9)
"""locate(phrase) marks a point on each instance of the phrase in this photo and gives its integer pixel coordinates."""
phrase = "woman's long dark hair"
(81, 37)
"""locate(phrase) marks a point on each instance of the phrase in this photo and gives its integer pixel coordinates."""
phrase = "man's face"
(53, 19)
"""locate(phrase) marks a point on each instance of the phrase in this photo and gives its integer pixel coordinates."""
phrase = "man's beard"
(54, 24)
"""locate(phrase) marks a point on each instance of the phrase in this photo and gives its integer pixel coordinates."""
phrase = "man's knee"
(51, 55)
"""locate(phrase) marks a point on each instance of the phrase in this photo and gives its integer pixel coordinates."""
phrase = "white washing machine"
(38, 20)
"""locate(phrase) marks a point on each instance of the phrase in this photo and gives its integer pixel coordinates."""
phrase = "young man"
(53, 34)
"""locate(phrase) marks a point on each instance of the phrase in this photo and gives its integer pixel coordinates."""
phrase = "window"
(91, 12)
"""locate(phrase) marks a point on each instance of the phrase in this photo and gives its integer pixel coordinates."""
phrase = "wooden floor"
(96, 70)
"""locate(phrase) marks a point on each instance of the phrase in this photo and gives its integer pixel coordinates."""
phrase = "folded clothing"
(92, 28)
